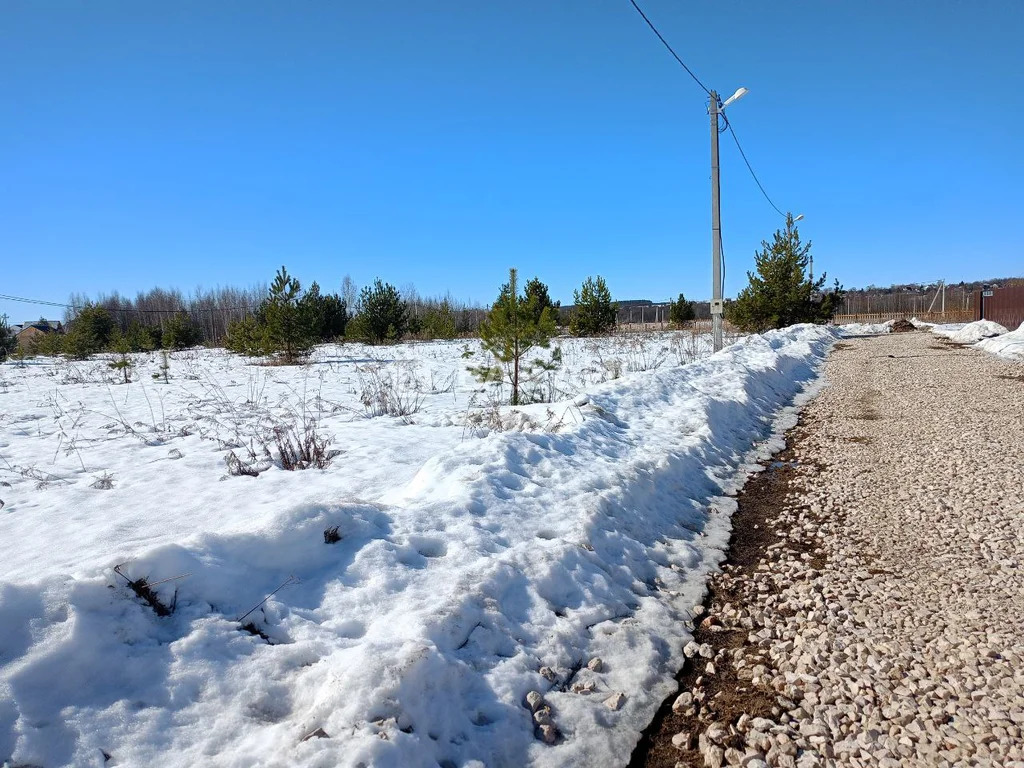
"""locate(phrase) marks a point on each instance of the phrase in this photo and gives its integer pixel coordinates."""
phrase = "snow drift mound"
(1009, 345)
(865, 329)
(972, 332)
(503, 567)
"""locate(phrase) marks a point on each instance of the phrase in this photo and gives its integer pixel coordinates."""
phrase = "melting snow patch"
(1009, 345)
(971, 332)
(865, 329)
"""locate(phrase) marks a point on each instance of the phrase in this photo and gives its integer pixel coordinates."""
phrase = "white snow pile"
(865, 329)
(971, 332)
(1009, 345)
(472, 565)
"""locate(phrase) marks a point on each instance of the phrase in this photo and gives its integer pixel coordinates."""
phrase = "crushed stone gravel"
(875, 615)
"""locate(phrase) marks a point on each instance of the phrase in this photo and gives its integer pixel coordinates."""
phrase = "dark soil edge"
(727, 697)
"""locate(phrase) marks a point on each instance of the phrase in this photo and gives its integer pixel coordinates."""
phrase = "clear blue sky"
(203, 143)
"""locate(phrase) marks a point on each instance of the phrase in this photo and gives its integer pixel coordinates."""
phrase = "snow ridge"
(414, 640)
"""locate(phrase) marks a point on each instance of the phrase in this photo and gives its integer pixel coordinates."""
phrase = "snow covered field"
(484, 551)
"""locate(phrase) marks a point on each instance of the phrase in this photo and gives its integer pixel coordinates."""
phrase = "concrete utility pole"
(717, 305)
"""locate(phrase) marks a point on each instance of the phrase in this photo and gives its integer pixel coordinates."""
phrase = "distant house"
(28, 332)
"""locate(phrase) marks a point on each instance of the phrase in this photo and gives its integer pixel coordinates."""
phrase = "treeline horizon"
(213, 311)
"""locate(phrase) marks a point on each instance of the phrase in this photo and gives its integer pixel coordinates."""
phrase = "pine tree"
(680, 311)
(138, 337)
(122, 345)
(383, 315)
(439, 321)
(165, 368)
(8, 341)
(247, 336)
(535, 289)
(511, 330)
(89, 332)
(180, 332)
(780, 293)
(594, 312)
(287, 325)
(326, 314)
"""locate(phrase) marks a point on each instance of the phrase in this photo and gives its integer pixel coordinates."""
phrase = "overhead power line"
(708, 92)
(664, 42)
(750, 168)
(35, 301)
(43, 302)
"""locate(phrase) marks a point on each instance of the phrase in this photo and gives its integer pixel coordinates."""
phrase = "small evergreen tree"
(780, 294)
(594, 312)
(326, 314)
(535, 289)
(138, 338)
(383, 315)
(179, 332)
(287, 324)
(8, 341)
(511, 330)
(46, 344)
(165, 368)
(247, 336)
(89, 332)
(122, 345)
(680, 311)
(439, 321)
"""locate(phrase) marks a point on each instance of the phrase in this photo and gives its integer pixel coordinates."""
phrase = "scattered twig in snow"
(285, 583)
(143, 589)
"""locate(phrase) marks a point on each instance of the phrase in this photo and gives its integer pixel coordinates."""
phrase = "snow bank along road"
(876, 614)
(475, 565)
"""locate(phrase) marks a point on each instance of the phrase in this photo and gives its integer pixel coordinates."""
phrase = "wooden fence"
(694, 326)
(950, 316)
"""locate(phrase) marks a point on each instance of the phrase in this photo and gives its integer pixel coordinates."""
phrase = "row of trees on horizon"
(287, 320)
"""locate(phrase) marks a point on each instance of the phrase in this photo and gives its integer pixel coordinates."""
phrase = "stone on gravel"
(615, 701)
(534, 700)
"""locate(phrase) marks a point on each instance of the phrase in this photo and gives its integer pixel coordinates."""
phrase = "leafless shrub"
(42, 479)
(237, 467)
(731, 337)
(103, 483)
(688, 346)
(442, 384)
(642, 353)
(256, 386)
(389, 391)
(303, 450)
(613, 368)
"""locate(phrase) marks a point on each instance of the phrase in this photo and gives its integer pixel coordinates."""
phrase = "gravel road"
(872, 609)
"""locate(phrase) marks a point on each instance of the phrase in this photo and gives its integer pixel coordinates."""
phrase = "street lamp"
(740, 93)
(717, 302)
